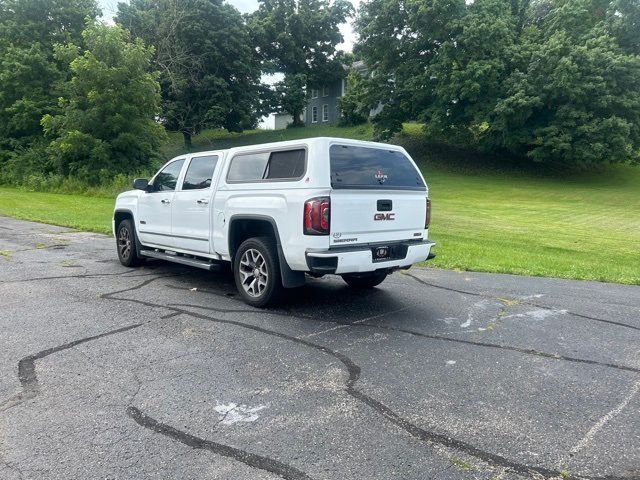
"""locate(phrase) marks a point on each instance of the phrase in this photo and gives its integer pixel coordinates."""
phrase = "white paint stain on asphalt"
(451, 362)
(539, 314)
(233, 413)
(467, 324)
(480, 306)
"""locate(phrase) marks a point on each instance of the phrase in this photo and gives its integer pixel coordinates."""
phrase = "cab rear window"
(372, 168)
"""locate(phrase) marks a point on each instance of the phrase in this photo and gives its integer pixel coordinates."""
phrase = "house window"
(325, 91)
(314, 114)
(325, 113)
(314, 93)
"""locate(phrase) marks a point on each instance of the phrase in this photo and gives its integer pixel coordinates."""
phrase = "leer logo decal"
(381, 177)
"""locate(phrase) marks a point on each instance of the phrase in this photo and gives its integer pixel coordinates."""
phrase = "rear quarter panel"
(282, 201)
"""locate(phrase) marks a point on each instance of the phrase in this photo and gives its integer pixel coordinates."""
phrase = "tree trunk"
(187, 140)
(296, 119)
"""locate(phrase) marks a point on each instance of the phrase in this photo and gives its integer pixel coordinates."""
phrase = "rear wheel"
(364, 280)
(127, 245)
(257, 271)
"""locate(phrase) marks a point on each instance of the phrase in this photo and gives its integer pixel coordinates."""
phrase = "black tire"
(127, 244)
(364, 280)
(258, 256)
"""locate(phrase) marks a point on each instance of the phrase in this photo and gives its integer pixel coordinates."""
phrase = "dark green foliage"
(289, 96)
(25, 22)
(28, 89)
(573, 104)
(209, 72)
(354, 104)
(554, 81)
(298, 38)
(31, 78)
(108, 107)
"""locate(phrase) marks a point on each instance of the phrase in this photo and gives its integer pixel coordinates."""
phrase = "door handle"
(165, 201)
(202, 201)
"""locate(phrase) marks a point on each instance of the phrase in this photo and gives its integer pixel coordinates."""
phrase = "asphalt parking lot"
(161, 372)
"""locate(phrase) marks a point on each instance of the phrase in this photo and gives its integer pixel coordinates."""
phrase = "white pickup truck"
(279, 211)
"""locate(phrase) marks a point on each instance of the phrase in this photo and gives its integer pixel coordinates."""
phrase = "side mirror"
(141, 184)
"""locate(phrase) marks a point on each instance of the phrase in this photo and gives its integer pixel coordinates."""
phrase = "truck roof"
(298, 142)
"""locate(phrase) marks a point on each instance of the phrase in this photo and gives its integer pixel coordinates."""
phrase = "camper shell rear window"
(354, 167)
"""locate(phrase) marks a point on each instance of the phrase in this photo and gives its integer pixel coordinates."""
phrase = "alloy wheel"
(124, 243)
(254, 275)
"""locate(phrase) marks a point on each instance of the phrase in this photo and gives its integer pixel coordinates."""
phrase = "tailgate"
(362, 216)
(378, 195)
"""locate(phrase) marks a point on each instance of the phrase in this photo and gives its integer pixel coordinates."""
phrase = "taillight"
(317, 214)
(427, 218)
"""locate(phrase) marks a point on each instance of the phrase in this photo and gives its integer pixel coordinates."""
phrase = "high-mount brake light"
(317, 216)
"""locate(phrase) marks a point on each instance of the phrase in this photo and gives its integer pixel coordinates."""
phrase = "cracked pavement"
(161, 372)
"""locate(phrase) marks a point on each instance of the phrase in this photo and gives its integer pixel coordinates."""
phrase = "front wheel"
(364, 280)
(127, 245)
(257, 271)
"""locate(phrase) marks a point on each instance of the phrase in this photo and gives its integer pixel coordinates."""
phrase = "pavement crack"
(253, 460)
(520, 302)
(424, 435)
(80, 276)
(282, 312)
(524, 351)
(28, 379)
(27, 366)
(230, 310)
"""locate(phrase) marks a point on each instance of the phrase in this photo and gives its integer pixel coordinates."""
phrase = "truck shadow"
(321, 299)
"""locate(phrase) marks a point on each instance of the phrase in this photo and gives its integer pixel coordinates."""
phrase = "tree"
(399, 41)
(623, 22)
(30, 76)
(354, 105)
(209, 73)
(555, 80)
(574, 103)
(290, 96)
(28, 85)
(468, 73)
(108, 109)
(25, 22)
(298, 38)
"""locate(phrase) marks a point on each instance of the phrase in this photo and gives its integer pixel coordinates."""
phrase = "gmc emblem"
(384, 216)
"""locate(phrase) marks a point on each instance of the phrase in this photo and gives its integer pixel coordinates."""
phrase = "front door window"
(167, 179)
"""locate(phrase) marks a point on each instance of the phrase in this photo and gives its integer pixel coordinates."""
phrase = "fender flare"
(290, 278)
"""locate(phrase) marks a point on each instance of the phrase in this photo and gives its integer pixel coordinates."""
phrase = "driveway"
(161, 372)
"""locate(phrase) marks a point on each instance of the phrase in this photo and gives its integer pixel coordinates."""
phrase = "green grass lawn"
(583, 226)
(587, 227)
(76, 211)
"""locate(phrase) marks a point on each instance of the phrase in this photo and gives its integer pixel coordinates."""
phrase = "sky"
(110, 7)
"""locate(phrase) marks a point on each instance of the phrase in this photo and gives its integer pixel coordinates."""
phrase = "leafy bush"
(353, 105)
(107, 124)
